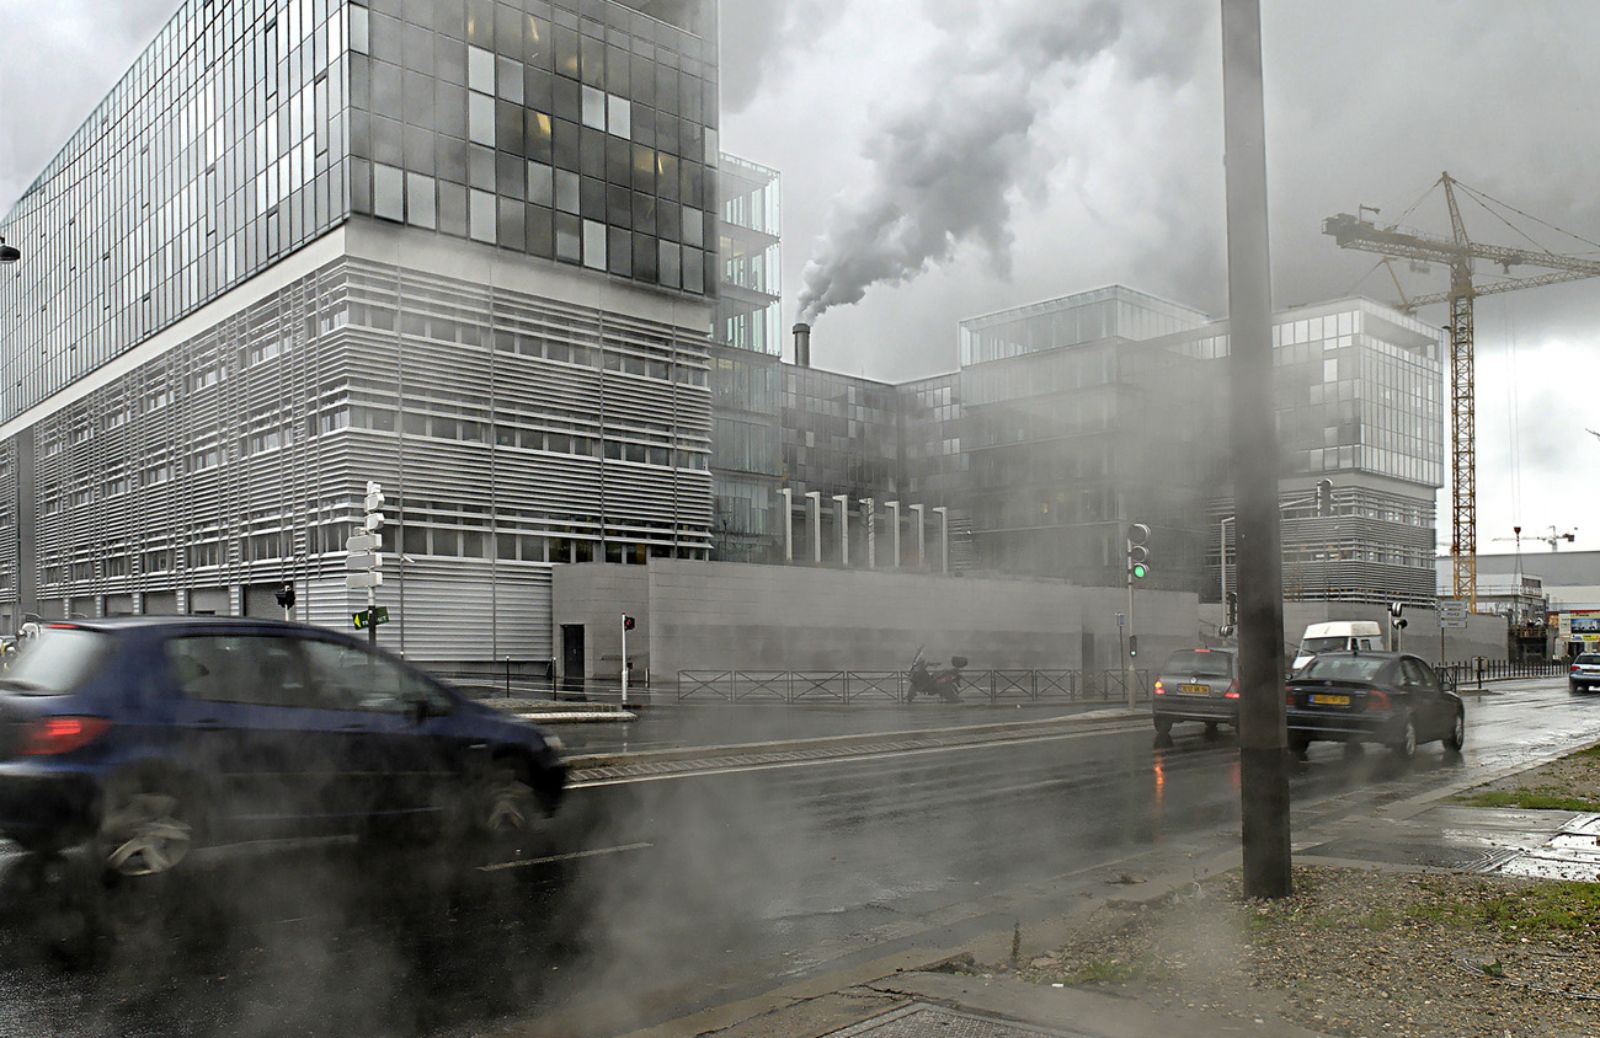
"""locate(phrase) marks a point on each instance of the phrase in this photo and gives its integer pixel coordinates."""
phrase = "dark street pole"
(1264, 778)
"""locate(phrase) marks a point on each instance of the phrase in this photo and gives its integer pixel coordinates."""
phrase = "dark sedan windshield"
(1343, 668)
(55, 662)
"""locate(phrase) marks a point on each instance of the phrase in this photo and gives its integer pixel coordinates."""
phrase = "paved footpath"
(912, 995)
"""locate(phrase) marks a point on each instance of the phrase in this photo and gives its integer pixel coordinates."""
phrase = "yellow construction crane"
(1458, 252)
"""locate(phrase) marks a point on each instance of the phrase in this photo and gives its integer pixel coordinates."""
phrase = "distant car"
(1584, 673)
(1383, 697)
(1197, 685)
(146, 736)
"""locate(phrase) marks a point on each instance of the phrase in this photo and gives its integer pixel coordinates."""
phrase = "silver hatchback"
(1197, 685)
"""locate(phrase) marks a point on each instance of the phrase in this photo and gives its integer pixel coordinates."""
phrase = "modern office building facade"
(1072, 418)
(466, 249)
(746, 380)
(1094, 411)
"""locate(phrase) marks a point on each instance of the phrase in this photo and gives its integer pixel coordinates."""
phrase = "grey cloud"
(943, 168)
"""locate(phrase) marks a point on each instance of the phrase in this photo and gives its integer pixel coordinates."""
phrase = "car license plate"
(1195, 690)
(1323, 699)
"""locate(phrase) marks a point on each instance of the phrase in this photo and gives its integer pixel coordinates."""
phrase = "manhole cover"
(925, 1021)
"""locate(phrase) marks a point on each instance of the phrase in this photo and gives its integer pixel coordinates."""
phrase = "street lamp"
(9, 253)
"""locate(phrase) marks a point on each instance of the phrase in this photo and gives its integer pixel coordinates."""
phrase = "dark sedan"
(143, 737)
(1383, 697)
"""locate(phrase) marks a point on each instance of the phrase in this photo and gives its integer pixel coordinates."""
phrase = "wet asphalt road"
(688, 891)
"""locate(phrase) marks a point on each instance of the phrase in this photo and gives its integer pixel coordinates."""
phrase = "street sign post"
(377, 618)
(365, 562)
(1452, 612)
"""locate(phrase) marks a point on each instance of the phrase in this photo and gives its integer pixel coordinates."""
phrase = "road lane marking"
(849, 758)
(523, 863)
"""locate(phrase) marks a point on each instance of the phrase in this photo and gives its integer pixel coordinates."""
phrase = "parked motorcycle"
(924, 680)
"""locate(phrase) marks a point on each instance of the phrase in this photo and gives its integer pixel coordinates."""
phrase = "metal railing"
(1474, 673)
(893, 686)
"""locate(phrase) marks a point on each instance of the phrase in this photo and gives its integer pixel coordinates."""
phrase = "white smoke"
(946, 168)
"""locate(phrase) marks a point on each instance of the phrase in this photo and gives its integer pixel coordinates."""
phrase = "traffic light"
(1133, 645)
(1138, 551)
(1324, 498)
(1233, 608)
(285, 597)
(627, 622)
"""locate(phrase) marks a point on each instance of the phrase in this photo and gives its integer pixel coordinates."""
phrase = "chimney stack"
(802, 345)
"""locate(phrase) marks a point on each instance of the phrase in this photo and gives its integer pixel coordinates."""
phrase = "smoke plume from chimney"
(944, 168)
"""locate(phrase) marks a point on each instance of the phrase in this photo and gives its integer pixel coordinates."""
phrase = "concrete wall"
(1483, 636)
(727, 616)
(596, 595)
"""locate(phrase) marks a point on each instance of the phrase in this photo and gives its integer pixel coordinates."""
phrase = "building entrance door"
(572, 658)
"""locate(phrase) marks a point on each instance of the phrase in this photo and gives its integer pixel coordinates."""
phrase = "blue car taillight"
(52, 736)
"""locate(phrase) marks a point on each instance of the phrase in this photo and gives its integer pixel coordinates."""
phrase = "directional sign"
(361, 581)
(363, 562)
(1452, 612)
(373, 522)
(380, 616)
(364, 542)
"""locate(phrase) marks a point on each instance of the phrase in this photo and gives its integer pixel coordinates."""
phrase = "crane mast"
(1463, 415)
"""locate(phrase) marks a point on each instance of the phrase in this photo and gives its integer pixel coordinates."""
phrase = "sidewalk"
(1408, 920)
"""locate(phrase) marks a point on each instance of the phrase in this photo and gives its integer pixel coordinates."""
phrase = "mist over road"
(651, 899)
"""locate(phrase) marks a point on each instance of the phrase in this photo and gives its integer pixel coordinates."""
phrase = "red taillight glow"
(1377, 700)
(1574, 669)
(1233, 690)
(55, 735)
(1288, 696)
(1160, 689)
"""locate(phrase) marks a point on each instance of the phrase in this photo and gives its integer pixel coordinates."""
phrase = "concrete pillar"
(894, 518)
(814, 515)
(922, 534)
(944, 538)
(869, 520)
(841, 516)
(788, 524)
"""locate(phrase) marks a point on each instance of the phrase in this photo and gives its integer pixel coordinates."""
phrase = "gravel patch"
(1356, 952)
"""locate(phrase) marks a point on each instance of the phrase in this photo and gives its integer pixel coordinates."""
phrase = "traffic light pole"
(624, 659)
(1127, 657)
(372, 617)
(1264, 779)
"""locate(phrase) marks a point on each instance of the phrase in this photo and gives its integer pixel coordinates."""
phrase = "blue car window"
(359, 680)
(261, 670)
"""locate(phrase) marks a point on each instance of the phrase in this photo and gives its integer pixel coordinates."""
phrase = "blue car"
(144, 737)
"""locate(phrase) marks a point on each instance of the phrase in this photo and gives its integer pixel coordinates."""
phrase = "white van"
(1340, 636)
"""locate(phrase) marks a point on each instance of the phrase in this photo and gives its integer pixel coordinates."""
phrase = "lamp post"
(9, 253)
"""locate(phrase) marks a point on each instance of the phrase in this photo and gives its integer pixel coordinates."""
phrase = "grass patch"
(1530, 799)
(1101, 971)
(1534, 910)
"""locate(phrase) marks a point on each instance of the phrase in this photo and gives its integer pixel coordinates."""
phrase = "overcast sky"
(944, 158)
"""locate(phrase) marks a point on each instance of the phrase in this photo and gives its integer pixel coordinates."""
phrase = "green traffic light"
(1139, 571)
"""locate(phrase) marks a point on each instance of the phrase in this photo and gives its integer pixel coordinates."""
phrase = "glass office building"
(746, 381)
(463, 248)
(1087, 413)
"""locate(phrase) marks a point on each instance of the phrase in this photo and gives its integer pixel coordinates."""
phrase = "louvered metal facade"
(511, 432)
